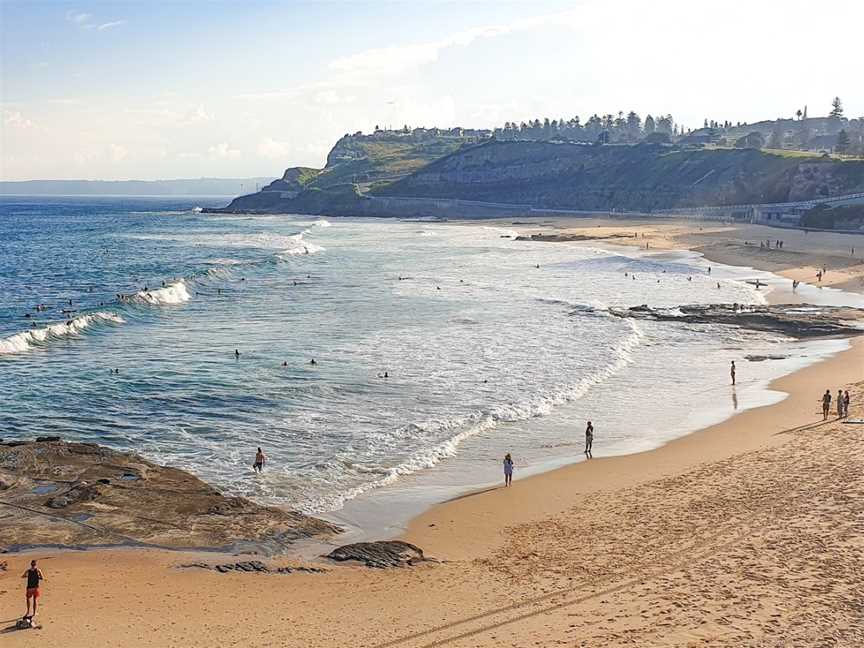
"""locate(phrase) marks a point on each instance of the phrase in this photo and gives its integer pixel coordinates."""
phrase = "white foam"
(175, 293)
(468, 426)
(26, 340)
(300, 246)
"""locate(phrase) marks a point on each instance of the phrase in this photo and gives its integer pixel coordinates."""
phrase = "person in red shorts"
(33, 575)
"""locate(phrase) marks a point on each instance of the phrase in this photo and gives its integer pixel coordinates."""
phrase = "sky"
(182, 89)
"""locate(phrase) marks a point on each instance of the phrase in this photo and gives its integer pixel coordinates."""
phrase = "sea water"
(489, 345)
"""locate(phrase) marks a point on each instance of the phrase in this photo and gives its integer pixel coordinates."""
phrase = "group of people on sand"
(766, 245)
(841, 403)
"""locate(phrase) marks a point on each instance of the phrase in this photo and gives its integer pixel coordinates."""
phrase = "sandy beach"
(747, 533)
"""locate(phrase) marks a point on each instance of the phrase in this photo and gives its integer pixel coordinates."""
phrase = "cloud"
(333, 98)
(222, 151)
(272, 149)
(78, 17)
(396, 59)
(198, 115)
(117, 152)
(15, 119)
(85, 21)
(110, 25)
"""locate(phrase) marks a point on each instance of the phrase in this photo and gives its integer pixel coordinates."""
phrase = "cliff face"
(643, 177)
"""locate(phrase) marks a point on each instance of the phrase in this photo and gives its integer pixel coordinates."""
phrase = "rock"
(381, 554)
(80, 493)
(162, 506)
(47, 439)
(797, 320)
(762, 358)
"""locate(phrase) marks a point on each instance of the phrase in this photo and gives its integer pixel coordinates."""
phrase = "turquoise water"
(484, 351)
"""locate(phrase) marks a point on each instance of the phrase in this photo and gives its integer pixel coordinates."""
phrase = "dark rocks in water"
(381, 554)
(45, 439)
(162, 506)
(793, 320)
(762, 358)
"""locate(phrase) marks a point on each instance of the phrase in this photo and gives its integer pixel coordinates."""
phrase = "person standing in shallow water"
(732, 372)
(260, 460)
(508, 470)
(589, 440)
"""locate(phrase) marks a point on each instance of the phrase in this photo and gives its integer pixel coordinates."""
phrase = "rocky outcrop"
(61, 493)
(381, 554)
(799, 321)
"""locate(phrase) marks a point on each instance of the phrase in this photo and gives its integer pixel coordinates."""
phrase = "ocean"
(489, 345)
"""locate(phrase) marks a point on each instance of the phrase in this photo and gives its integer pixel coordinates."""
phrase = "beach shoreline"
(504, 550)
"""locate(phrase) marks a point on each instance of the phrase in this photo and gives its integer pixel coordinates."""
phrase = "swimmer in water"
(236, 354)
(312, 362)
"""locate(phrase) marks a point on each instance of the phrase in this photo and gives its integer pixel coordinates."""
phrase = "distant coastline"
(179, 187)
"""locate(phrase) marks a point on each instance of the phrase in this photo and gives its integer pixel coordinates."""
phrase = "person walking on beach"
(260, 460)
(589, 440)
(840, 402)
(34, 576)
(508, 470)
(732, 372)
(826, 404)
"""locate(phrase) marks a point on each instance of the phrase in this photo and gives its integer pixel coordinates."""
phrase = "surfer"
(732, 372)
(312, 362)
(236, 354)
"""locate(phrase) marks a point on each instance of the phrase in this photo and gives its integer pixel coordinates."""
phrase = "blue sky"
(187, 89)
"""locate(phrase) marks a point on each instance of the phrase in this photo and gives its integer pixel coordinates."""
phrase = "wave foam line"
(470, 425)
(175, 293)
(26, 340)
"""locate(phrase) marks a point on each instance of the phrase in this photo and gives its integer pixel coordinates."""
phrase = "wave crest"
(175, 293)
(26, 340)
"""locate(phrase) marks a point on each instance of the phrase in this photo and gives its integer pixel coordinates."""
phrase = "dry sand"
(748, 533)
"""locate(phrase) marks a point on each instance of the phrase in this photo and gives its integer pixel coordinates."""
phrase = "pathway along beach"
(747, 533)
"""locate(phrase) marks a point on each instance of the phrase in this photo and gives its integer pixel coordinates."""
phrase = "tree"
(842, 144)
(836, 109)
(650, 127)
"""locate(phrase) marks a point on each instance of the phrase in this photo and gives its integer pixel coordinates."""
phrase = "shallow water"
(484, 351)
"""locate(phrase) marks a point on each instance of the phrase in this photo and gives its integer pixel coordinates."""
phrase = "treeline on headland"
(832, 133)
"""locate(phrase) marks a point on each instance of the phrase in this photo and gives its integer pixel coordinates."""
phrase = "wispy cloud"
(85, 20)
(397, 59)
(78, 17)
(15, 119)
(110, 25)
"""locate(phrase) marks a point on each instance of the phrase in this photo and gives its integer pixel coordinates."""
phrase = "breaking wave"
(175, 293)
(26, 340)
(464, 427)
